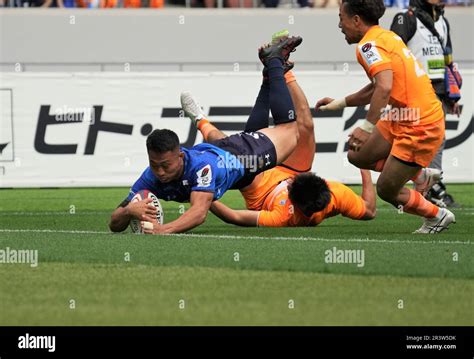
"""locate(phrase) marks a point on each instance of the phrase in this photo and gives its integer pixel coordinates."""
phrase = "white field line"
(215, 236)
(66, 213)
(94, 213)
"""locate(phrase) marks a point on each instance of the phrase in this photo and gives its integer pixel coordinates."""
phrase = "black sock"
(259, 117)
(281, 105)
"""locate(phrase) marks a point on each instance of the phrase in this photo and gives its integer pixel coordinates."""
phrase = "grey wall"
(183, 39)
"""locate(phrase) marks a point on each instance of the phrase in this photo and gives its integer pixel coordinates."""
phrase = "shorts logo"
(204, 176)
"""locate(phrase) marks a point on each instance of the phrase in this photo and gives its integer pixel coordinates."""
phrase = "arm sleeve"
(204, 180)
(274, 218)
(278, 215)
(143, 182)
(404, 25)
(349, 203)
(373, 57)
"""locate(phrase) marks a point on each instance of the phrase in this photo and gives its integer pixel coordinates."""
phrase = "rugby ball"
(135, 224)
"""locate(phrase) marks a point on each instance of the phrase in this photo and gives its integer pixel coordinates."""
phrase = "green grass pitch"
(87, 276)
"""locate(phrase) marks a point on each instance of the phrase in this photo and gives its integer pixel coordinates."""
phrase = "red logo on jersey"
(204, 172)
(366, 47)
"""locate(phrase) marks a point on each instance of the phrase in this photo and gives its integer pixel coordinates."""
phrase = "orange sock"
(205, 127)
(418, 205)
(379, 165)
(290, 77)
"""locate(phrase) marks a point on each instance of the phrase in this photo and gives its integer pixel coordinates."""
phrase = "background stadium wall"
(184, 39)
(88, 129)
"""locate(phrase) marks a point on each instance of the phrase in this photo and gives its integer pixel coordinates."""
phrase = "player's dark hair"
(309, 193)
(162, 141)
(370, 11)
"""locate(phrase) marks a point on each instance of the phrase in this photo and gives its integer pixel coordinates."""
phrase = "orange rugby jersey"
(263, 185)
(278, 211)
(382, 49)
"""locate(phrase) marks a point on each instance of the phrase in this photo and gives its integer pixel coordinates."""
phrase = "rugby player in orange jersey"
(402, 140)
(273, 196)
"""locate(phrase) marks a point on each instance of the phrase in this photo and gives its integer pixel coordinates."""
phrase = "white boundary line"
(215, 236)
(93, 213)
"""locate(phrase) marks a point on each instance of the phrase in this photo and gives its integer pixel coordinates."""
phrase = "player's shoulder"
(377, 36)
(200, 154)
(378, 45)
(337, 189)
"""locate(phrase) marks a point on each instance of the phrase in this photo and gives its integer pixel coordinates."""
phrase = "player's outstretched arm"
(359, 98)
(141, 210)
(238, 217)
(193, 217)
(368, 195)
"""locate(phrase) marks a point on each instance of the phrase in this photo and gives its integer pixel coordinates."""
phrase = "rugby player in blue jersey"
(205, 172)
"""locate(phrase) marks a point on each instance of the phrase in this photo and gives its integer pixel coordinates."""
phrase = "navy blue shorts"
(254, 150)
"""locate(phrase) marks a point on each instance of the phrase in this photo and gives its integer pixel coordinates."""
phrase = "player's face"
(167, 166)
(348, 25)
(308, 209)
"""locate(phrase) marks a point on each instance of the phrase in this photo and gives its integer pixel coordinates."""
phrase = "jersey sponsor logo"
(204, 172)
(366, 47)
(369, 53)
(204, 176)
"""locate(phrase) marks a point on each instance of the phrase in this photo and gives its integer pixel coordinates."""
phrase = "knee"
(294, 131)
(354, 159)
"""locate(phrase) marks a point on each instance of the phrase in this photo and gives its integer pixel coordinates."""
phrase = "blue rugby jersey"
(207, 168)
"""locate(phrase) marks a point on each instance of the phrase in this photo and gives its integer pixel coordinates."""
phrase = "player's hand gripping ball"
(135, 224)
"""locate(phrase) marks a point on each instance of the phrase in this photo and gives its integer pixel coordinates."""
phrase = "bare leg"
(215, 135)
(284, 138)
(394, 176)
(301, 158)
(209, 132)
(376, 148)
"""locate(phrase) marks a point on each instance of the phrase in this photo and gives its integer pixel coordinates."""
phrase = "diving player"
(205, 172)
